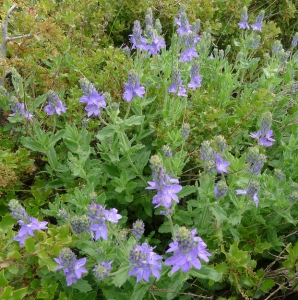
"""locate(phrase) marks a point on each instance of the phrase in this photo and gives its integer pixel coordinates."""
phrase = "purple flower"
(221, 165)
(188, 54)
(252, 190)
(188, 250)
(73, 268)
(98, 215)
(244, 17)
(55, 105)
(138, 229)
(220, 189)
(28, 224)
(19, 109)
(133, 88)
(92, 98)
(177, 86)
(259, 20)
(182, 22)
(136, 38)
(257, 160)
(265, 137)
(102, 269)
(195, 77)
(166, 187)
(156, 45)
(144, 262)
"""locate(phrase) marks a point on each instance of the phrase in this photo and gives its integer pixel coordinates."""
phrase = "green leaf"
(111, 170)
(20, 294)
(3, 281)
(39, 100)
(134, 120)
(6, 223)
(29, 245)
(207, 273)
(7, 294)
(177, 280)
(187, 190)
(121, 277)
(267, 284)
(139, 291)
(105, 132)
(82, 285)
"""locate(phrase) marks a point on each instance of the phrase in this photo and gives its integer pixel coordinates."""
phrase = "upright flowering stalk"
(213, 160)
(177, 86)
(265, 134)
(243, 24)
(251, 190)
(166, 187)
(195, 77)
(144, 262)
(155, 41)
(132, 87)
(188, 250)
(28, 224)
(72, 268)
(92, 98)
(98, 215)
(295, 40)
(182, 22)
(80, 224)
(138, 228)
(166, 150)
(18, 109)
(259, 20)
(190, 52)
(136, 38)
(256, 159)
(185, 130)
(54, 104)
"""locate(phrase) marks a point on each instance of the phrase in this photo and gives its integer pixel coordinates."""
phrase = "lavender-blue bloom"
(252, 190)
(144, 262)
(177, 86)
(195, 77)
(182, 22)
(188, 249)
(259, 20)
(80, 224)
(244, 17)
(102, 269)
(133, 88)
(28, 224)
(166, 150)
(72, 268)
(136, 38)
(138, 228)
(257, 160)
(220, 189)
(221, 165)
(19, 109)
(54, 104)
(92, 98)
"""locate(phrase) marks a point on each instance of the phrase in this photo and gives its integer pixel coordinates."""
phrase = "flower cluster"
(243, 24)
(177, 86)
(188, 249)
(132, 87)
(251, 190)
(144, 262)
(54, 104)
(28, 224)
(213, 160)
(138, 228)
(220, 189)
(195, 77)
(98, 215)
(166, 150)
(265, 133)
(166, 187)
(152, 41)
(92, 98)
(72, 268)
(18, 109)
(256, 159)
(102, 269)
